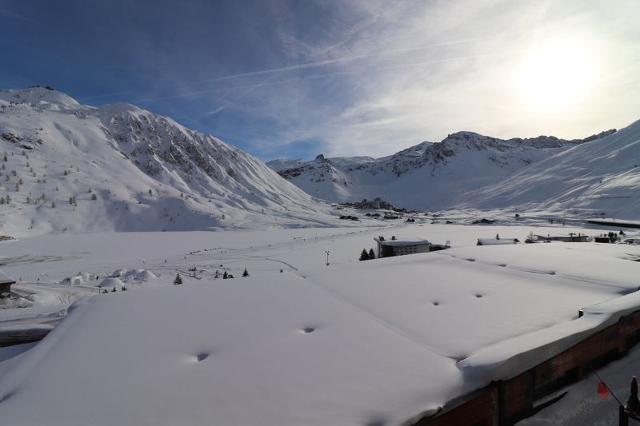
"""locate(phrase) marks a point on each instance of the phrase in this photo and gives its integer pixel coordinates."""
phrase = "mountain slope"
(425, 176)
(79, 168)
(599, 177)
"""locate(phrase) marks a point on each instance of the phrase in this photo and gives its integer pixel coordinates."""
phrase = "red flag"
(603, 391)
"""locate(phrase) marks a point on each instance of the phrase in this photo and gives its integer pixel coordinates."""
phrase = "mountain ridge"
(477, 159)
(72, 167)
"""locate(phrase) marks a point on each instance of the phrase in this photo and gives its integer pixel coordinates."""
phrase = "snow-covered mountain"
(67, 166)
(601, 176)
(426, 176)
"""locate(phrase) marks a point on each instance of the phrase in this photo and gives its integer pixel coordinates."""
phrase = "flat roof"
(5, 279)
(403, 243)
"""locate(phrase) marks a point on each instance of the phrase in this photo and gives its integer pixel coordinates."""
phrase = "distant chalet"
(5, 285)
(395, 247)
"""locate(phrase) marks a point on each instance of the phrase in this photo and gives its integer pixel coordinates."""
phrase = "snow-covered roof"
(496, 241)
(4, 278)
(404, 243)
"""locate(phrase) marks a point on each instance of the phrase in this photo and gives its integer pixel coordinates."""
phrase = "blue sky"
(355, 77)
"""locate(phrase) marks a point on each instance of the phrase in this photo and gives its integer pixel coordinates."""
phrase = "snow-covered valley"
(297, 341)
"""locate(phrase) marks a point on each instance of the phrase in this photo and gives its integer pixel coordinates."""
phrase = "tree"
(178, 280)
(245, 273)
(150, 193)
(364, 255)
(94, 197)
(372, 255)
(225, 275)
(497, 236)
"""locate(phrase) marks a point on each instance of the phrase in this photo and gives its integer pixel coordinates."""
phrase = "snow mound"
(139, 275)
(111, 282)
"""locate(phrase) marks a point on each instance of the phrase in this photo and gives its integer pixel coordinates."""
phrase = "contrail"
(325, 62)
(315, 64)
(320, 75)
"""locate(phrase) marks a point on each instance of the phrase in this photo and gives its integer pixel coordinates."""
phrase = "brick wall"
(507, 401)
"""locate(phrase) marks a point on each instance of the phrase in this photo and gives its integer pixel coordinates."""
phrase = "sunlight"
(555, 74)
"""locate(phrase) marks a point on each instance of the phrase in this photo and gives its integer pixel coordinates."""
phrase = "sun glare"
(555, 74)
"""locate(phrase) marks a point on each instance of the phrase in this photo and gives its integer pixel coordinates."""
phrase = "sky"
(296, 78)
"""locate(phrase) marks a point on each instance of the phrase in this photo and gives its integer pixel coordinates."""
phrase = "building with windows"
(395, 247)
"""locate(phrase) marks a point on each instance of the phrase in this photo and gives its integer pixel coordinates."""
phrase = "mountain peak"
(43, 97)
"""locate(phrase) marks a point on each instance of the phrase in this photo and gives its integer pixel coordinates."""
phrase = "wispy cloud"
(358, 77)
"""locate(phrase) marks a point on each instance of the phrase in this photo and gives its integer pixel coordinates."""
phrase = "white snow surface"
(299, 342)
(601, 176)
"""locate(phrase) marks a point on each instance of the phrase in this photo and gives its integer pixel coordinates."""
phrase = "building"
(496, 241)
(572, 238)
(394, 247)
(5, 285)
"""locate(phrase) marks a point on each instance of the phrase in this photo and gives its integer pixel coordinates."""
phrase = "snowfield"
(378, 342)
(67, 167)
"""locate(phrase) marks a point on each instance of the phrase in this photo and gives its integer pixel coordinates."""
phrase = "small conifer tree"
(245, 273)
(364, 255)
(372, 255)
(178, 280)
